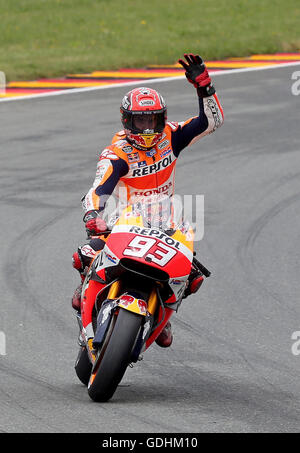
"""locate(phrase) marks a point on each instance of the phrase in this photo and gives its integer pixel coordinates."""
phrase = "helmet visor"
(147, 122)
(144, 122)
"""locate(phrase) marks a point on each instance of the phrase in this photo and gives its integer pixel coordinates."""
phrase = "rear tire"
(83, 366)
(110, 368)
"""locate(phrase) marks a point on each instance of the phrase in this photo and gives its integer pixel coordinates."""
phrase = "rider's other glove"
(94, 224)
(197, 74)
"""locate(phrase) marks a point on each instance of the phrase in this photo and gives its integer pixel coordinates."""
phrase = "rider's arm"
(110, 169)
(210, 111)
(209, 119)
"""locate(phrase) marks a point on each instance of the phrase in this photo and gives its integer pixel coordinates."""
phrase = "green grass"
(44, 38)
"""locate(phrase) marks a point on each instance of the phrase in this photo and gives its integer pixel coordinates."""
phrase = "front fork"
(164, 313)
(114, 300)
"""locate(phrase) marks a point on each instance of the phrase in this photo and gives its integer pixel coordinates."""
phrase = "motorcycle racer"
(141, 160)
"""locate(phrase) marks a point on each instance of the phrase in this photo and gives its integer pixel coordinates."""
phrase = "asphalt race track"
(231, 366)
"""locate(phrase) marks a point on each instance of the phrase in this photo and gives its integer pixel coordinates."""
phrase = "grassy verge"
(53, 37)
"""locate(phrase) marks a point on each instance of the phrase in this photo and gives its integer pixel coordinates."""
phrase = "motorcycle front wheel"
(114, 356)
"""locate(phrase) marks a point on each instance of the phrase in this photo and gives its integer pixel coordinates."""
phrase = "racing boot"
(78, 264)
(76, 299)
(165, 338)
(81, 261)
(194, 282)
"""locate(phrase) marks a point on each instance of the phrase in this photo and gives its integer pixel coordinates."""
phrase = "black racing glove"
(197, 74)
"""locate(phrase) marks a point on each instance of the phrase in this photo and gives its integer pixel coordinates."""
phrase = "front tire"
(110, 368)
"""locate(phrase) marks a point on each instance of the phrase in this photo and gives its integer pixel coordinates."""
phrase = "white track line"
(146, 82)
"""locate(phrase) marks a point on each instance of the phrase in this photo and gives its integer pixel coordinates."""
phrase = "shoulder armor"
(173, 125)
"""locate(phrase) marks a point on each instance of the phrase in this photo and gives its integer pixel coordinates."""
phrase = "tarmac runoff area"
(232, 366)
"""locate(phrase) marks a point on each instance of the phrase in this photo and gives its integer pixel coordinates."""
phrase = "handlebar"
(201, 268)
(103, 233)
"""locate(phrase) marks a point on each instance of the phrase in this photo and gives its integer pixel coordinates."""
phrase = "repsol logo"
(154, 168)
(155, 233)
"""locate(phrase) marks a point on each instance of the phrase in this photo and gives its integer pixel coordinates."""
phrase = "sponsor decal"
(120, 142)
(150, 153)
(215, 111)
(142, 306)
(154, 168)
(105, 313)
(165, 153)
(111, 258)
(163, 144)
(98, 262)
(178, 285)
(133, 157)
(143, 163)
(133, 166)
(127, 149)
(146, 102)
(148, 193)
(175, 282)
(157, 234)
(127, 300)
(88, 251)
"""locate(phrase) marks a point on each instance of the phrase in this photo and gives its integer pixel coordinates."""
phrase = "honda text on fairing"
(132, 288)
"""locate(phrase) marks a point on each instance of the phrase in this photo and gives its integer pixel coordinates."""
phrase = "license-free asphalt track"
(231, 366)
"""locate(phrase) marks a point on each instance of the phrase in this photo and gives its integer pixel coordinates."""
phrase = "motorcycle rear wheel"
(111, 365)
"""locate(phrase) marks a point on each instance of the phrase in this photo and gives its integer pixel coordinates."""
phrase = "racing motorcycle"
(131, 289)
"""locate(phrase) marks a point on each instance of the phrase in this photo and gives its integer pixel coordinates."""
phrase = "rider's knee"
(84, 255)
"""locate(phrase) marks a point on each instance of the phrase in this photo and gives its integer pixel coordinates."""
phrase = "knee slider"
(77, 261)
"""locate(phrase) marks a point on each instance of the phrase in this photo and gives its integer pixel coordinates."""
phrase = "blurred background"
(45, 38)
